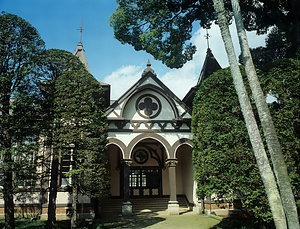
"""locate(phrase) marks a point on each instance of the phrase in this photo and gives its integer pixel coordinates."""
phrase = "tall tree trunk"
(7, 162)
(74, 205)
(53, 193)
(8, 191)
(279, 166)
(252, 128)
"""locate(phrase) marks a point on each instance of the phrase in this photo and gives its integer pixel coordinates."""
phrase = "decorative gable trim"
(150, 126)
(149, 81)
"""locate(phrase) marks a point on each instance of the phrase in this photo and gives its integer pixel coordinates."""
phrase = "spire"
(79, 51)
(207, 36)
(209, 67)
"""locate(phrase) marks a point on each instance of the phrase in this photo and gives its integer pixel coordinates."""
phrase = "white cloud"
(122, 79)
(181, 80)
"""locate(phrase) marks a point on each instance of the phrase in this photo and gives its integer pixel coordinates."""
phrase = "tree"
(262, 15)
(20, 43)
(51, 64)
(252, 128)
(163, 28)
(80, 123)
(224, 162)
(274, 147)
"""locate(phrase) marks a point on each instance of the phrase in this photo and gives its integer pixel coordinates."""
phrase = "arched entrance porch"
(147, 176)
(150, 168)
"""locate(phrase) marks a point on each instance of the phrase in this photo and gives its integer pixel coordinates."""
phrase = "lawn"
(138, 221)
(155, 221)
(150, 220)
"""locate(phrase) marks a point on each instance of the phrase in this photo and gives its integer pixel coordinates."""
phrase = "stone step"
(139, 205)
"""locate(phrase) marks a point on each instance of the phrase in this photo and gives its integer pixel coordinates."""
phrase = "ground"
(187, 220)
(162, 221)
(145, 220)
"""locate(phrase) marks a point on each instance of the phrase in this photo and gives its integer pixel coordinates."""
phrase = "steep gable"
(149, 105)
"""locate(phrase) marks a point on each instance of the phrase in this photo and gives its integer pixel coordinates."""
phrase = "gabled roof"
(79, 52)
(148, 80)
(210, 65)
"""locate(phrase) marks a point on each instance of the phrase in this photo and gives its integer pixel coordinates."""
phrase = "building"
(150, 141)
(149, 144)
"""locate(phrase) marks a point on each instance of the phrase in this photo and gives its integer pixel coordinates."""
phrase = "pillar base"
(126, 208)
(173, 208)
(198, 208)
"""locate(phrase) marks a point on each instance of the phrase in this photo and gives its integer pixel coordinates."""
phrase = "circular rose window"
(141, 156)
(148, 106)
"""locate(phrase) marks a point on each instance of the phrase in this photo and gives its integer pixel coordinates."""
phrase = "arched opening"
(115, 156)
(185, 172)
(148, 176)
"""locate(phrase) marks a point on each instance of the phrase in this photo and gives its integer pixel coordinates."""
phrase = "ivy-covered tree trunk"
(252, 128)
(274, 147)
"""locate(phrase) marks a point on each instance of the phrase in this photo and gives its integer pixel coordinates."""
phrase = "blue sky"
(58, 22)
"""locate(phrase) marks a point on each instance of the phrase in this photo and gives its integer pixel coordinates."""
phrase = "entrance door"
(145, 181)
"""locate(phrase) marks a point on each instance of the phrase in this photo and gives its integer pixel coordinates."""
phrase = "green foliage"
(20, 43)
(54, 62)
(80, 123)
(159, 27)
(164, 28)
(276, 48)
(281, 79)
(223, 156)
(50, 64)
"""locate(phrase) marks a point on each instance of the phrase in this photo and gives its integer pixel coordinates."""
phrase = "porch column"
(173, 206)
(126, 207)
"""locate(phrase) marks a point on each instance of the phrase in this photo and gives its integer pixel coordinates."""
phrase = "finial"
(207, 36)
(80, 30)
(148, 64)
(148, 69)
